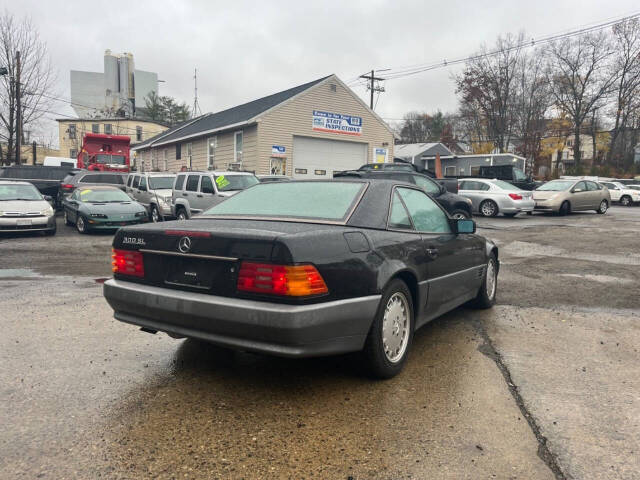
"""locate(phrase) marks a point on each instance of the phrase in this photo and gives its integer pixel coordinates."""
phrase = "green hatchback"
(101, 208)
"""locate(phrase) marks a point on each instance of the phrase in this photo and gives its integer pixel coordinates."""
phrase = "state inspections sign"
(336, 123)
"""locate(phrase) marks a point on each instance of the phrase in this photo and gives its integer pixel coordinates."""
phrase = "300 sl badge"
(133, 241)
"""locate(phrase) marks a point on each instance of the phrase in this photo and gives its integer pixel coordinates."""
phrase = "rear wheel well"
(412, 284)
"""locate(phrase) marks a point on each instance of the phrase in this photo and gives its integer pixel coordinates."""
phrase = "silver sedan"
(491, 197)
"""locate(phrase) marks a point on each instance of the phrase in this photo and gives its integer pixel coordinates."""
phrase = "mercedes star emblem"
(184, 245)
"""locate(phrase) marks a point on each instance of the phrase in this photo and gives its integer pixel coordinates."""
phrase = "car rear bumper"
(516, 206)
(278, 329)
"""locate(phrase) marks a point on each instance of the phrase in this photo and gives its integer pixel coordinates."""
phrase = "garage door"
(319, 158)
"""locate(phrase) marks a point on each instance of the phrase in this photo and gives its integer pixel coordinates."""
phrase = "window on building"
(138, 133)
(72, 130)
(212, 143)
(301, 171)
(475, 171)
(237, 147)
(178, 151)
(107, 129)
(278, 166)
(73, 153)
(165, 157)
(320, 172)
(154, 159)
(450, 171)
(95, 128)
(189, 154)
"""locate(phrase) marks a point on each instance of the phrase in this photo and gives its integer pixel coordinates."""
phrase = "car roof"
(99, 187)
(16, 182)
(215, 172)
(155, 174)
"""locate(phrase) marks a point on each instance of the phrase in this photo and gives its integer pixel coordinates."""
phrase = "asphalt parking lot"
(544, 385)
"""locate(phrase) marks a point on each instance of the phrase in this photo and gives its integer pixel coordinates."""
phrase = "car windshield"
(159, 183)
(304, 200)
(556, 186)
(103, 196)
(19, 192)
(504, 185)
(110, 159)
(231, 182)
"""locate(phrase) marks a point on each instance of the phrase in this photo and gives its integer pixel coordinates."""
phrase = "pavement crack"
(487, 348)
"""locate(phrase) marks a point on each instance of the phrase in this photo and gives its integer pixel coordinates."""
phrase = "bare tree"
(532, 101)
(488, 85)
(626, 63)
(579, 79)
(36, 78)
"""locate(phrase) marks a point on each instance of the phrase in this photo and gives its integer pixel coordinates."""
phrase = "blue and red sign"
(336, 123)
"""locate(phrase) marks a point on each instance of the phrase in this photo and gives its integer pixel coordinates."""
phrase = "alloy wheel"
(490, 283)
(395, 327)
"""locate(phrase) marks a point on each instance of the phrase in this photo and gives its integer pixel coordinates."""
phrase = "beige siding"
(278, 126)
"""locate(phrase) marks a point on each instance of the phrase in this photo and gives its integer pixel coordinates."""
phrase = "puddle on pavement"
(599, 278)
(530, 249)
(17, 273)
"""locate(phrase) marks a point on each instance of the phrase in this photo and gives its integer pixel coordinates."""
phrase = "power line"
(401, 72)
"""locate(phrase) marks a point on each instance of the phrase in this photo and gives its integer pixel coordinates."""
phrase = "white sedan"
(491, 197)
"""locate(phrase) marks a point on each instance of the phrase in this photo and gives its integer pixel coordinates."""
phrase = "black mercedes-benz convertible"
(305, 268)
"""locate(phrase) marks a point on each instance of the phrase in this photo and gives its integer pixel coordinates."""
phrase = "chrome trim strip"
(190, 255)
(450, 274)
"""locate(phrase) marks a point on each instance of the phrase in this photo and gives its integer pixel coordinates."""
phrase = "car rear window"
(332, 201)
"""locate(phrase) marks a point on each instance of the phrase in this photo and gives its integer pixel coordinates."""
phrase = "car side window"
(88, 179)
(427, 216)
(464, 185)
(129, 180)
(180, 182)
(483, 186)
(580, 186)
(136, 181)
(206, 185)
(143, 182)
(591, 186)
(426, 184)
(398, 217)
(192, 183)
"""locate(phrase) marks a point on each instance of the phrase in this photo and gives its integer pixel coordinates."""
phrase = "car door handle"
(184, 194)
(199, 195)
(431, 252)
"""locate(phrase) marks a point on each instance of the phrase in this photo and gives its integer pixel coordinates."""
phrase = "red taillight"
(289, 280)
(66, 186)
(515, 196)
(127, 262)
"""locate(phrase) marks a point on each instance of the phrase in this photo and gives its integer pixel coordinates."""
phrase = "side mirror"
(465, 225)
(48, 198)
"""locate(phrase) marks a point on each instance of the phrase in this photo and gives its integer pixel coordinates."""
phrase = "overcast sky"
(245, 50)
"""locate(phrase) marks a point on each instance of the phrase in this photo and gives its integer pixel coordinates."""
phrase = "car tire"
(486, 297)
(391, 334)
(565, 209)
(154, 215)
(460, 215)
(603, 207)
(625, 201)
(182, 214)
(510, 215)
(81, 224)
(488, 208)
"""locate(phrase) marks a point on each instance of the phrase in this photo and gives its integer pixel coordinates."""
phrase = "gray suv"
(153, 190)
(194, 192)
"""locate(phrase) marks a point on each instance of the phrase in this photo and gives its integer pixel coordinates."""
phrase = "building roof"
(224, 119)
(410, 150)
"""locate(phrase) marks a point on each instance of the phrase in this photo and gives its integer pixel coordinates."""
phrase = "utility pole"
(18, 110)
(371, 86)
(34, 151)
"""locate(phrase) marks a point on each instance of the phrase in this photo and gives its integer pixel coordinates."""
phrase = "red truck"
(104, 153)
